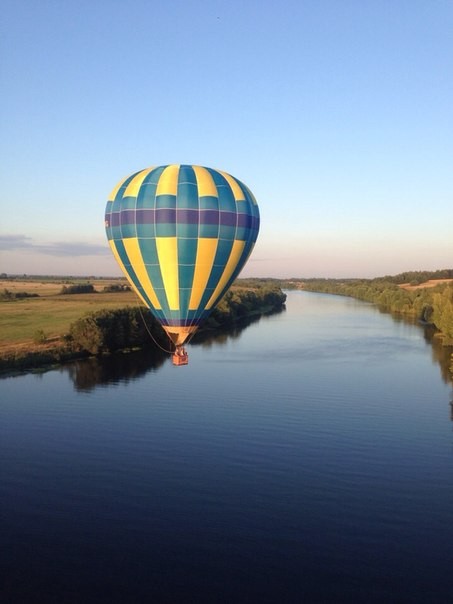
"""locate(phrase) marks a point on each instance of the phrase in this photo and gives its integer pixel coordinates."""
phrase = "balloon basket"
(180, 358)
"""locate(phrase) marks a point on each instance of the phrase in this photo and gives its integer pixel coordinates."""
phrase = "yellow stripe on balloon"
(167, 252)
(133, 187)
(132, 247)
(235, 256)
(237, 191)
(204, 262)
(125, 271)
(205, 182)
(117, 188)
(168, 181)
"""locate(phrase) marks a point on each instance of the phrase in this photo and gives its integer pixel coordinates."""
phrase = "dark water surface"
(307, 458)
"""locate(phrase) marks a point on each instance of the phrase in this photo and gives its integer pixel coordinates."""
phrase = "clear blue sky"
(337, 114)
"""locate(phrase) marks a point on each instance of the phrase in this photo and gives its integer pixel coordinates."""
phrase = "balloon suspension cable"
(151, 335)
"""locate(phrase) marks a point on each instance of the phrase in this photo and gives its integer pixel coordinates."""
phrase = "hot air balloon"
(181, 234)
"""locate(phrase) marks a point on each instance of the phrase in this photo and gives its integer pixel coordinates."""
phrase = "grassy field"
(37, 324)
(51, 312)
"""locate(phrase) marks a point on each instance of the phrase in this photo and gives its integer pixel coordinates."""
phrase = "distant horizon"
(4, 276)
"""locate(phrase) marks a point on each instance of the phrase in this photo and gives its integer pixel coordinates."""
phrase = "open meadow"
(45, 309)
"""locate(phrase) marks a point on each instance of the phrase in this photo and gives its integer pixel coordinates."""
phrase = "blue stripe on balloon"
(187, 254)
(165, 222)
(187, 216)
(145, 223)
(147, 192)
(187, 196)
(166, 201)
(115, 219)
(145, 216)
(128, 203)
(116, 233)
(189, 231)
(166, 229)
(209, 217)
(187, 223)
(146, 197)
(227, 232)
(209, 230)
(186, 175)
(165, 216)
(209, 202)
(227, 202)
(228, 218)
(181, 216)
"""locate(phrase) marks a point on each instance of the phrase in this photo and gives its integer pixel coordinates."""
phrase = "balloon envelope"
(181, 234)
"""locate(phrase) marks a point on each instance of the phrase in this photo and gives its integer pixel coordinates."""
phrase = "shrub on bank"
(110, 330)
(116, 288)
(7, 296)
(79, 288)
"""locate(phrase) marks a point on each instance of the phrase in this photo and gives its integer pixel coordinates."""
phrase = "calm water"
(307, 458)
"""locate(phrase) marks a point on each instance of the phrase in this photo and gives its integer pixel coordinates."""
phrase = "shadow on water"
(87, 374)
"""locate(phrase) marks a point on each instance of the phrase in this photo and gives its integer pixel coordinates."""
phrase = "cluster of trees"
(109, 330)
(116, 287)
(432, 305)
(442, 316)
(88, 288)
(6, 295)
(78, 288)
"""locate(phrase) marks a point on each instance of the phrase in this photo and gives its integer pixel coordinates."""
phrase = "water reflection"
(121, 367)
(220, 336)
(89, 373)
(441, 355)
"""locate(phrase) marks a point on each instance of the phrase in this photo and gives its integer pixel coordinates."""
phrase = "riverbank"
(429, 303)
(119, 328)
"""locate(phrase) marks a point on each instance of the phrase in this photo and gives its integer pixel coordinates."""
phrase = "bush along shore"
(130, 328)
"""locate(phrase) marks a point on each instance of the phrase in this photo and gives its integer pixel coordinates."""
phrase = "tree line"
(88, 288)
(132, 327)
(7, 296)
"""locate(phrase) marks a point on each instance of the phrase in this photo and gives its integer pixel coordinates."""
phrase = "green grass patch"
(53, 314)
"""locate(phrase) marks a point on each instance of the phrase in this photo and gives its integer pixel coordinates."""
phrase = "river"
(305, 458)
